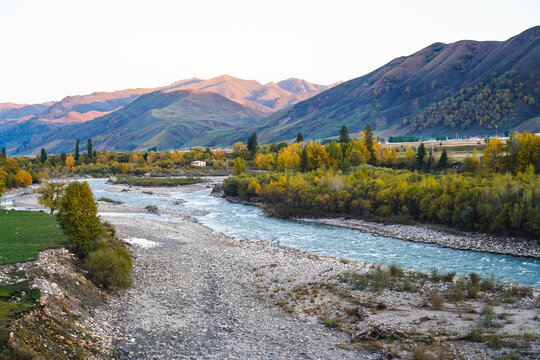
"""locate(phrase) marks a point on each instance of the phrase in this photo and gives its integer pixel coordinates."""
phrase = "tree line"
(500, 203)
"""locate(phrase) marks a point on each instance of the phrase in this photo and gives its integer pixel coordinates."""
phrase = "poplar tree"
(89, 147)
(420, 155)
(252, 143)
(304, 163)
(43, 157)
(77, 155)
(368, 141)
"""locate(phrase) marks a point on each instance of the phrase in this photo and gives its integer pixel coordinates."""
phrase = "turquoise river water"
(248, 222)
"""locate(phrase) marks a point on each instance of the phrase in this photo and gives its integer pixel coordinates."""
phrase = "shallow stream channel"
(248, 222)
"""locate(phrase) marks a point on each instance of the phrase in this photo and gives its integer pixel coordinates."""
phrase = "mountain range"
(466, 87)
(81, 108)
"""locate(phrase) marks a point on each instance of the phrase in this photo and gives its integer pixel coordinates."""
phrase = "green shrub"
(449, 277)
(488, 284)
(508, 297)
(111, 266)
(407, 284)
(495, 342)
(476, 334)
(396, 271)
(472, 290)
(381, 279)
(510, 356)
(474, 278)
(459, 290)
(330, 322)
(357, 280)
(78, 217)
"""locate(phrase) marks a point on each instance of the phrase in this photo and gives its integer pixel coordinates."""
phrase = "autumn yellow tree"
(389, 156)
(524, 150)
(357, 153)
(23, 178)
(70, 161)
(240, 150)
(239, 166)
(50, 193)
(265, 161)
(493, 156)
(316, 155)
(219, 154)
(409, 154)
(288, 158)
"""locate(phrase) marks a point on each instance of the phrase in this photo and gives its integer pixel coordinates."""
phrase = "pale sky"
(51, 49)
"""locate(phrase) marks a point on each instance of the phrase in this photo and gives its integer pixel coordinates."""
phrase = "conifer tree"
(368, 141)
(89, 147)
(344, 135)
(304, 163)
(420, 154)
(252, 144)
(43, 157)
(443, 160)
(299, 137)
(77, 155)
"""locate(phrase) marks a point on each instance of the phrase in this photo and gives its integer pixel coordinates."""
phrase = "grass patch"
(20, 241)
(14, 299)
(158, 181)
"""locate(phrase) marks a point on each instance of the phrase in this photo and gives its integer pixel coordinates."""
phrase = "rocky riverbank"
(198, 294)
(432, 234)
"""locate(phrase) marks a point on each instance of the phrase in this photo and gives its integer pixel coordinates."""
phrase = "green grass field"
(24, 233)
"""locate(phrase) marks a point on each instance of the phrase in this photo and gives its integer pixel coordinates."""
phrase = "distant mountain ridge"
(161, 120)
(80, 108)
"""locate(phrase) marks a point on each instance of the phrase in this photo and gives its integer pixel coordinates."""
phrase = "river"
(248, 222)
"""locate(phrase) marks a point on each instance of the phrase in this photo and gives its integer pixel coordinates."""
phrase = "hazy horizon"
(62, 48)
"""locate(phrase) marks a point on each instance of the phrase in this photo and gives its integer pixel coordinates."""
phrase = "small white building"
(198, 163)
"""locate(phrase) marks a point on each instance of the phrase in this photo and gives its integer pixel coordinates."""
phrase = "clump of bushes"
(437, 301)
(95, 243)
(111, 266)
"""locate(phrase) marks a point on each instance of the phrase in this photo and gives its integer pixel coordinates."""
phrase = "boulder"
(152, 209)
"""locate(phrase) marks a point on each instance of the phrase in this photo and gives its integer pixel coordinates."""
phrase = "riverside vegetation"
(497, 193)
(108, 262)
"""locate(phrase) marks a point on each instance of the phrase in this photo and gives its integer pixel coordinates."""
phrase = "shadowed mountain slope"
(467, 87)
(161, 120)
